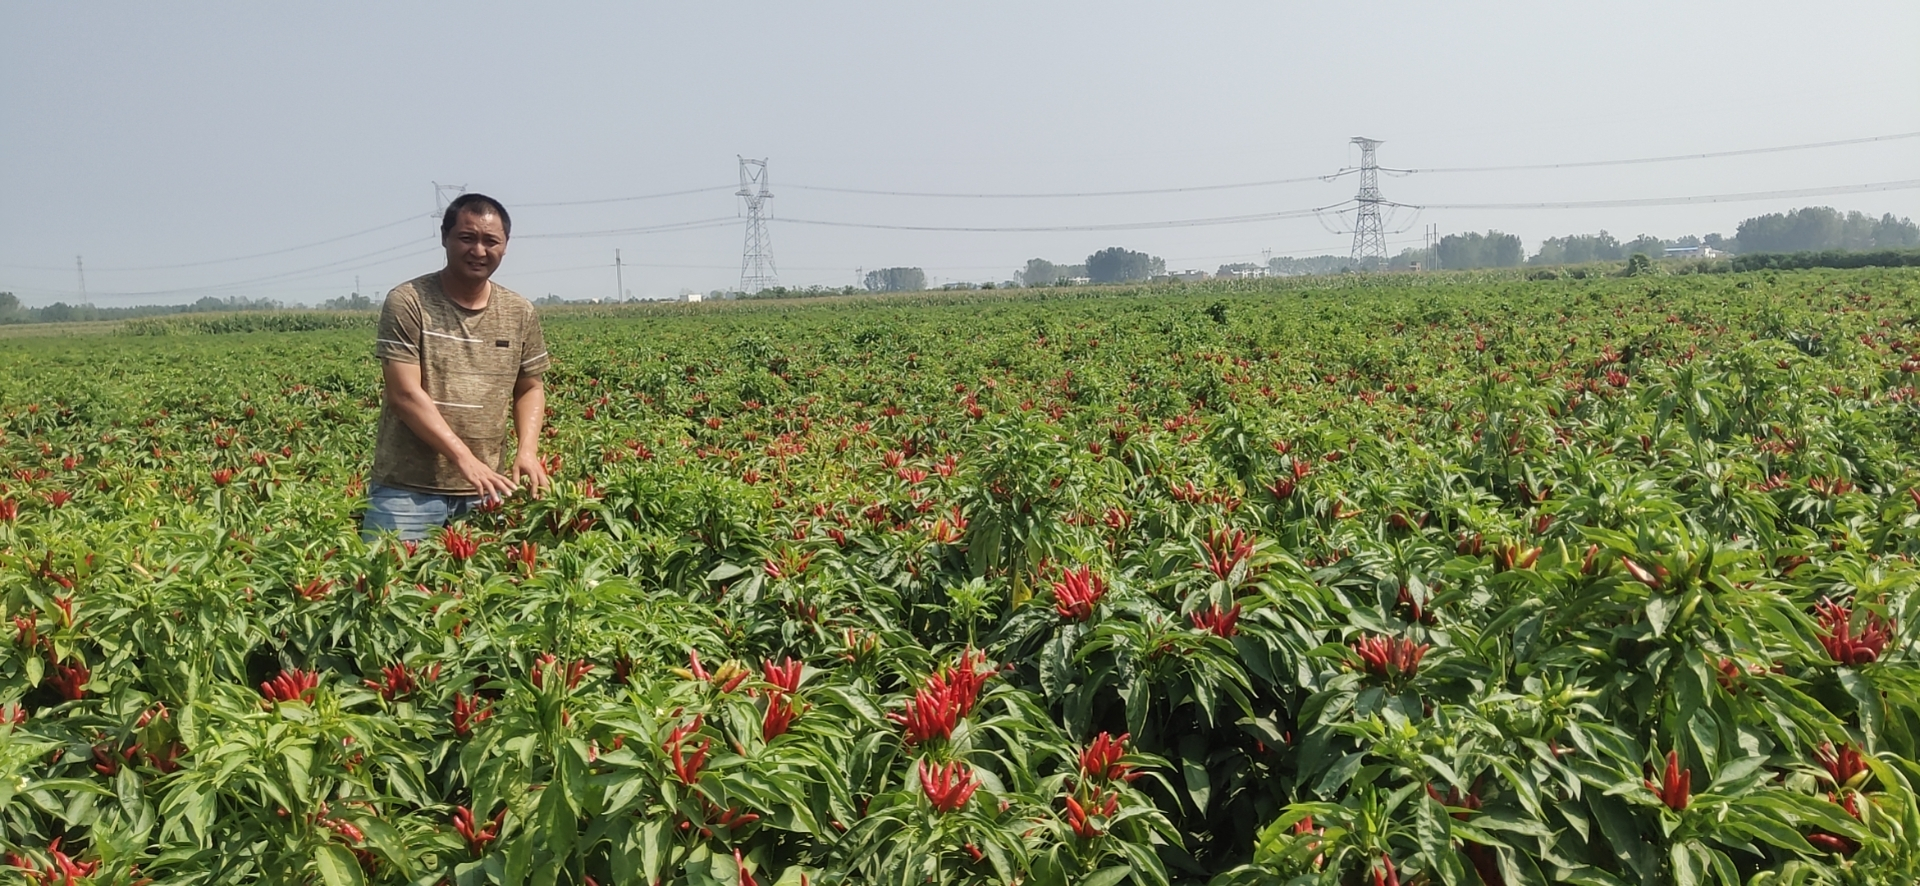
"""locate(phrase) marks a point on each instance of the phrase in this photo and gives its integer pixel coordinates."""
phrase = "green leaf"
(1193, 765)
(656, 840)
(726, 571)
(1106, 876)
(1661, 609)
(1339, 773)
(337, 866)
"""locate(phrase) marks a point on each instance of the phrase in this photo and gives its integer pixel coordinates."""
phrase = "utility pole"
(1433, 246)
(619, 278)
(81, 269)
(756, 256)
(1369, 240)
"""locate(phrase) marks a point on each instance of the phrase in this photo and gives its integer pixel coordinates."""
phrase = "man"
(458, 353)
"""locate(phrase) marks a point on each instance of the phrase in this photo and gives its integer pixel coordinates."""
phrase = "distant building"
(1191, 275)
(1241, 271)
(690, 296)
(1702, 251)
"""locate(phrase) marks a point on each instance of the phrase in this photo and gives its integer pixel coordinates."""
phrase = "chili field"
(1394, 580)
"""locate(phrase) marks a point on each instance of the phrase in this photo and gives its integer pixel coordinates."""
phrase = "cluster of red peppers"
(291, 685)
(477, 836)
(1845, 646)
(572, 672)
(948, 696)
(1225, 552)
(1101, 764)
(459, 544)
(60, 869)
(1220, 622)
(782, 681)
(1076, 592)
(71, 679)
(948, 786)
(728, 676)
(399, 680)
(468, 712)
(686, 767)
(1847, 768)
(1391, 658)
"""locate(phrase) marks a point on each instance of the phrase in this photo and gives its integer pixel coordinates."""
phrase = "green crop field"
(1371, 580)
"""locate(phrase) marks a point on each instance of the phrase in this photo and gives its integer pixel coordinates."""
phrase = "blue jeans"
(410, 514)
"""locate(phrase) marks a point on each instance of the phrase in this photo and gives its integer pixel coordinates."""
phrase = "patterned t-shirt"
(469, 363)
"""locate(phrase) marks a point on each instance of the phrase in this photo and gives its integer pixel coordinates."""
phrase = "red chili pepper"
(291, 685)
(1220, 622)
(948, 786)
(1675, 785)
(1101, 759)
(1846, 766)
(1390, 657)
(71, 680)
(1842, 644)
(477, 837)
(1225, 552)
(779, 716)
(1080, 816)
(1076, 592)
(785, 675)
(468, 713)
(687, 768)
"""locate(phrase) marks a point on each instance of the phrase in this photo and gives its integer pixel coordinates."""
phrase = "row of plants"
(1597, 581)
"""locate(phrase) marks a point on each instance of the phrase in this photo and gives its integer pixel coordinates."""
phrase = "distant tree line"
(1820, 228)
(896, 280)
(1114, 264)
(1816, 229)
(11, 311)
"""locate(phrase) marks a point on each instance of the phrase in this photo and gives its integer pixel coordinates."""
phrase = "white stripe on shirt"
(444, 335)
(542, 356)
(400, 343)
(458, 405)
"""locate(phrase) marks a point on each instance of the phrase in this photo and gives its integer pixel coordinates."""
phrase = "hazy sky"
(143, 135)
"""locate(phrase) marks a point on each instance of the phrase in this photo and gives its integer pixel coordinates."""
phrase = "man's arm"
(529, 412)
(411, 402)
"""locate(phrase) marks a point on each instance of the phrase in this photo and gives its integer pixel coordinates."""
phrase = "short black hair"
(476, 203)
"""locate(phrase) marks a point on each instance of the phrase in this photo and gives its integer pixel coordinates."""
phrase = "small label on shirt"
(502, 343)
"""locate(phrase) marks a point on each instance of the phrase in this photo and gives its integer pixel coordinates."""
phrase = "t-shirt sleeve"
(533, 348)
(398, 338)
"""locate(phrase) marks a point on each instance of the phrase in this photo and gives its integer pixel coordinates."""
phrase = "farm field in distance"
(1404, 579)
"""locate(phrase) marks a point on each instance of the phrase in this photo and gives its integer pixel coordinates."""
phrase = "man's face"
(476, 244)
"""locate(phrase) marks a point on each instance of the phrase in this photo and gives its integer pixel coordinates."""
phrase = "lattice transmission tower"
(756, 258)
(1369, 237)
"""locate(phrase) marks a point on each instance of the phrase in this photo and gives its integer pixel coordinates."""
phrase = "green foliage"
(1117, 265)
(1822, 228)
(1437, 573)
(1473, 250)
(896, 280)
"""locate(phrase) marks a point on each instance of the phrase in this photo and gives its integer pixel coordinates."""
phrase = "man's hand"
(487, 482)
(527, 464)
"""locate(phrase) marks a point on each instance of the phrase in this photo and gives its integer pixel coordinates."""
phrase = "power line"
(1669, 158)
(1115, 226)
(1908, 184)
(719, 221)
(1062, 194)
(628, 199)
(285, 275)
(238, 258)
